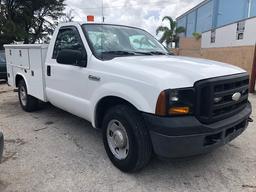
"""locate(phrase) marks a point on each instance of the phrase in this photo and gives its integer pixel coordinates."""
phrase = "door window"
(68, 38)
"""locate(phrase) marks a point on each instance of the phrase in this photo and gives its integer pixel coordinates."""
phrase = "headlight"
(176, 102)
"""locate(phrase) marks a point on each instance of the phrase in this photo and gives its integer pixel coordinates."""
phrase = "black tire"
(31, 103)
(140, 147)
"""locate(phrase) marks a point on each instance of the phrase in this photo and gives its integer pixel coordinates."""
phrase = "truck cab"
(125, 83)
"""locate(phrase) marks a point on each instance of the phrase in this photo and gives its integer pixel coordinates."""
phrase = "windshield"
(109, 41)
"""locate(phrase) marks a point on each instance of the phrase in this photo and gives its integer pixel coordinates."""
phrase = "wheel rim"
(23, 96)
(117, 138)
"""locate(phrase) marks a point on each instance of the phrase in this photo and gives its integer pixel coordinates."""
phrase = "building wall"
(205, 17)
(241, 56)
(190, 43)
(189, 47)
(232, 37)
(231, 10)
(216, 13)
(227, 36)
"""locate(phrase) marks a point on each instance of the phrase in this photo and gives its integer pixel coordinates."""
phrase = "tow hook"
(250, 120)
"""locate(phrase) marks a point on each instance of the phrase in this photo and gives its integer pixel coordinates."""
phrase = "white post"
(249, 8)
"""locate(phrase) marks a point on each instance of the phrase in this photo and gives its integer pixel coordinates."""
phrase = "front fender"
(128, 93)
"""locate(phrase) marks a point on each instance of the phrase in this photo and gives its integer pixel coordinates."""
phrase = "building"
(228, 33)
(211, 14)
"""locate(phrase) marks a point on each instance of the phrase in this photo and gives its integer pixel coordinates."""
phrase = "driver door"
(66, 83)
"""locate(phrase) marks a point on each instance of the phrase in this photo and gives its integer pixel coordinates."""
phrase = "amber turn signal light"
(178, 111)
(161, 104)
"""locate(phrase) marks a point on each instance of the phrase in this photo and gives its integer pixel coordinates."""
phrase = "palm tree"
(170, 34)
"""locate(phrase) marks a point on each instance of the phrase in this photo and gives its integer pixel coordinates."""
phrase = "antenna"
(102, 12)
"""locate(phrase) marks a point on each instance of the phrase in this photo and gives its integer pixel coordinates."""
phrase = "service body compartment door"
(21, 58)
(9, 67)
(36, 73)
(18, 57)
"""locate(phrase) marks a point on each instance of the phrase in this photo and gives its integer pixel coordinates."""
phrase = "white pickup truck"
(145, 100)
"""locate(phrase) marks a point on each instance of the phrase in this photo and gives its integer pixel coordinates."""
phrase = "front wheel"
(126, 139)
(27, 102)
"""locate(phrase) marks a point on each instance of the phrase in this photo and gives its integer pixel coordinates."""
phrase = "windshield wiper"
(134, 53)
(157, 53)
(119, 52)
(151, 53)
(143, 53)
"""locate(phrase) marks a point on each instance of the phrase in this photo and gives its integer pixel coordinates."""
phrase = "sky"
(146, 14)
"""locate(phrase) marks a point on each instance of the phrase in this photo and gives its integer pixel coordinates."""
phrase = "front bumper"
(186, 136)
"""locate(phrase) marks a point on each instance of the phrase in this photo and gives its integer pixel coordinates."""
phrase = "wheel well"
(105, 104)
(18, 78)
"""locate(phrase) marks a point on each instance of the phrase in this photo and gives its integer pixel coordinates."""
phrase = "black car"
(3, 73)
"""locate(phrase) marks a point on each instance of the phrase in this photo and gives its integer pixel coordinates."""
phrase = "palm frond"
(180, 30)
(168, 18)
(161, 29)
(163, 38)
(173, 25)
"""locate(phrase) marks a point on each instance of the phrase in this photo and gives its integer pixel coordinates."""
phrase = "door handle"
(48, 70)
(93, 78)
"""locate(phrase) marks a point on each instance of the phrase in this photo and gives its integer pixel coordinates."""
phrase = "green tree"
(28, 20)
(170, 33)
(197, 35)
(68, 16)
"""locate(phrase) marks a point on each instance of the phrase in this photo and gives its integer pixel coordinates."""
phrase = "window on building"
(213, 35)
(231, 11)
(240, 30)
(191, 23)
(253, 8)
(204, 17)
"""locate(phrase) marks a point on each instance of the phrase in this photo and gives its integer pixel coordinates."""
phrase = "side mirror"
(71, 57)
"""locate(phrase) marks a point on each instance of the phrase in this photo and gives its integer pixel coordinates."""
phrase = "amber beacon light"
(90, 18)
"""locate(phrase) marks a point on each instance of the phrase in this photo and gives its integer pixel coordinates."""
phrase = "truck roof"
(83, 23)
(27, 46)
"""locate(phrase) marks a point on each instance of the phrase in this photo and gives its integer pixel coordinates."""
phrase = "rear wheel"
(27, 102)
(126, 138)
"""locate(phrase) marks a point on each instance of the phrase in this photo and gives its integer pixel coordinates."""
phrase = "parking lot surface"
(52, 150)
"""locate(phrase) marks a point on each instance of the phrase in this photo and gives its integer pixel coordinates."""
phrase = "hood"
(173, 71)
